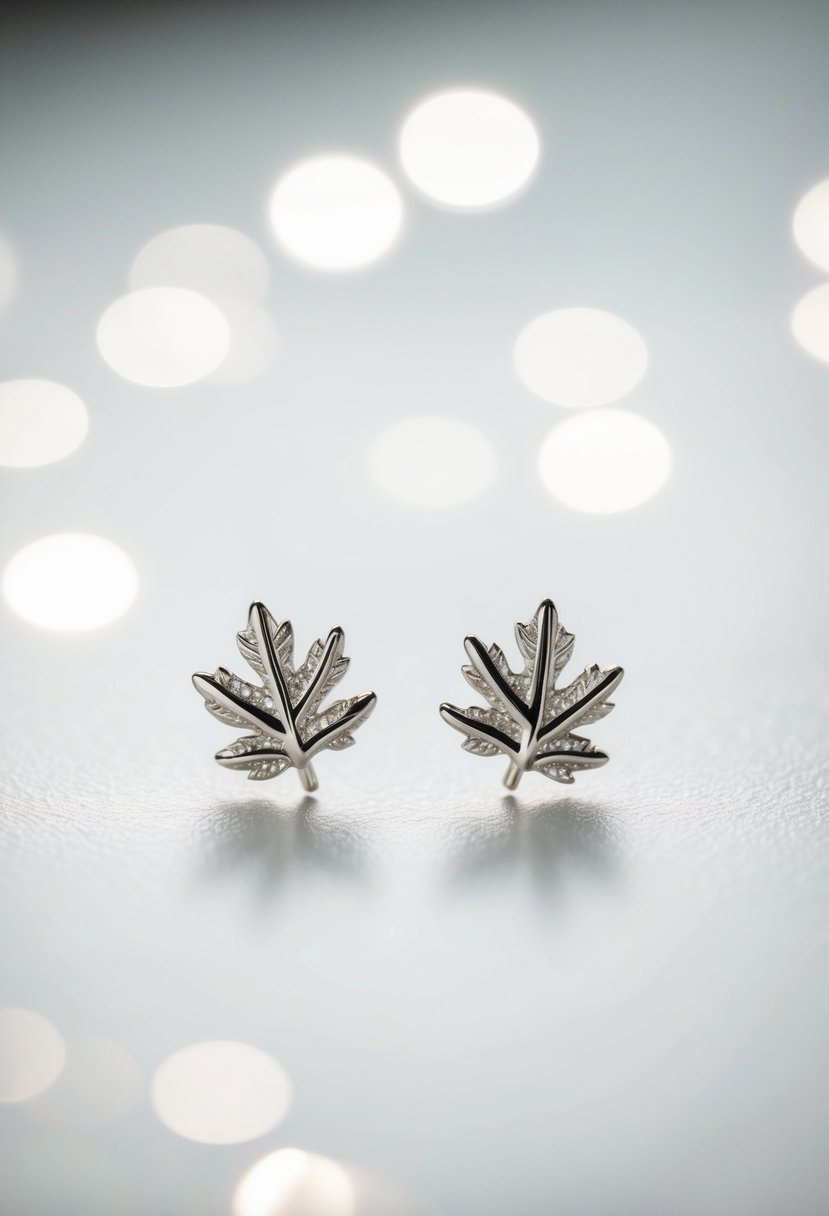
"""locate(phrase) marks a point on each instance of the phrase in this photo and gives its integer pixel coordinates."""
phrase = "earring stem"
(513, 776)
(308, 778)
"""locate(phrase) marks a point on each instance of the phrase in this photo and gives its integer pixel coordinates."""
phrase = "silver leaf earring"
(528, 718)
(289, 727)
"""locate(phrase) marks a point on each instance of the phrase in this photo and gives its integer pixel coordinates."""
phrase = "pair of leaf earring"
(527, 718)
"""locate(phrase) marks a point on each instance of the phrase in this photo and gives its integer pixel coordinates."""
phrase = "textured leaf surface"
(285, 708)
(478, 747)
(527, 717)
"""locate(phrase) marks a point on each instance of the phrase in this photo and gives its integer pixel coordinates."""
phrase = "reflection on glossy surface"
(291, 1182)
(267, 844)
(99, 1085)
(32, 1054)
(552, 844)
(220, 1092)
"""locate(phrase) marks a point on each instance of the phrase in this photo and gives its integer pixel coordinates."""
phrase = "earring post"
(513, 776)
(308, 778)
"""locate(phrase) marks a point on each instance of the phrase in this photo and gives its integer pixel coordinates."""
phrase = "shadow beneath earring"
(268, 844)
(554, 845)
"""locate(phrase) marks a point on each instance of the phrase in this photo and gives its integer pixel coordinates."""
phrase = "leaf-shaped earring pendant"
(527, 717)
(284, 712)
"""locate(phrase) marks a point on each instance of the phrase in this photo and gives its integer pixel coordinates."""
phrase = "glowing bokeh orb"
(810, 322)
(32, 1054)
(206, 258)
(100, 1083)
(290, 1182)
(468, 148)
(254, 342)
(432, 462)
(70, 582)
(220, 1092)
(580, 356)
(336, 212)
(810, 224)
(40, 422)
(163, 337)
(604, 461)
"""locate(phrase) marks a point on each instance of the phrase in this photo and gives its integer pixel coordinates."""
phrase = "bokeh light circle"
(32, 1054)
(580, 356)
(100, 1083)
(163, 337)
(468, 148)
(290, 1182)
(810, 224)
(40, 422)
(206, 258)
(604, 461)
(70, 582)
(254, 342)
(220, 1092)
(433, 461)
(810, 322)
(336, 212)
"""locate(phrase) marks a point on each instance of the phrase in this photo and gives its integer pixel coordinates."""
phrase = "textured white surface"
(604, 1002)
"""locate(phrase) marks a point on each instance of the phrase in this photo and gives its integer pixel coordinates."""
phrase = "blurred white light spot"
(163, 337)
(468, 148)
(99, 1084)
(32, 1054)
(433, 462)
(810, 322)
(220, 1092)
(207, 258)
(8, 272)
(336, 212)
(70, 582)
(604, 461)
(40, 421)
(811, 224)
(231, 271)
(291, 1182)
(254, 342)
(580, 356)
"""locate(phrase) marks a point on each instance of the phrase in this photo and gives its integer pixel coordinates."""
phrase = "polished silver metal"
(528, 718)
(284, 710)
